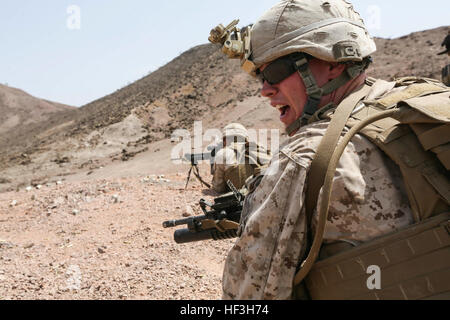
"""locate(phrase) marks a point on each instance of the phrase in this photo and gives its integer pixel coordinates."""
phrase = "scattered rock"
(56, 203)
(4, 181)
(75, 212)
(5, 244)
(29, 188)
(13, 203)
(28, 245)
(61, 160)
(115, 198)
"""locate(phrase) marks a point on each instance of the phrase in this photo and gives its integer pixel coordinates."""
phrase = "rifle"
(220, 222)
(195, 158)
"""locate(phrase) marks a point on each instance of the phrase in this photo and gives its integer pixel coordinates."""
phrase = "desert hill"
(201, 84)
(19, 109)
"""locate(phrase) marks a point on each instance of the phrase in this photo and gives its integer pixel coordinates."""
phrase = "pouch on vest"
(410, 264)
(417, 139)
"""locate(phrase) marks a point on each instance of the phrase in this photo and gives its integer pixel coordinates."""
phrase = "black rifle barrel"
(174, 223)
(187, 236)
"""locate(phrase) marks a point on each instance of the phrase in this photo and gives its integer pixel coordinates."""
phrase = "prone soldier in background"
(238, 160)
(329, 197)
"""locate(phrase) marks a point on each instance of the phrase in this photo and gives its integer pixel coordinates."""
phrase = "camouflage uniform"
(368, 200)
(238, 159)
(225, 159)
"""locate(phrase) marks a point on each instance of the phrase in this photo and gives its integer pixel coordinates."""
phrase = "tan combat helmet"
(235, 130)
(300, 29)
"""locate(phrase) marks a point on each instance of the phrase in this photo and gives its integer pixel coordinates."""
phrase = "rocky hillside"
(200, 84)
(201, 80)
(18, 110)
(411, 55)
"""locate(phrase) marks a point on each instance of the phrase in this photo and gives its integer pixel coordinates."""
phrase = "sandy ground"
(103, 239)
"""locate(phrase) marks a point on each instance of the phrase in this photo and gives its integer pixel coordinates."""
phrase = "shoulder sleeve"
(367, 200)
(262, 263)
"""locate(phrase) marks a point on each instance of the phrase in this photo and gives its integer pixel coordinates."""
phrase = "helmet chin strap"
(314, 92)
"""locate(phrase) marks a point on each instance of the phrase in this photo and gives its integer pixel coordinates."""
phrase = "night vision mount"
(235, 43)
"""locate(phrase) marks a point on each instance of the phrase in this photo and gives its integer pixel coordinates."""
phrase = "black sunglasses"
(278, 70)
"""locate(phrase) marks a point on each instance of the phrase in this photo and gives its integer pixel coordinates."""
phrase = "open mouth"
(283, 110)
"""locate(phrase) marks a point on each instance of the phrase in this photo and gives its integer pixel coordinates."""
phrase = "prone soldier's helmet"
(297, 30)
(235, 130)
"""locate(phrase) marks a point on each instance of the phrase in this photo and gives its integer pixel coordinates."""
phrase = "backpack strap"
(320, 164)
(326, 148)
(327, 188)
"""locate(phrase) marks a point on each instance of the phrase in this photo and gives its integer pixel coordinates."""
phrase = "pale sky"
(77, 51)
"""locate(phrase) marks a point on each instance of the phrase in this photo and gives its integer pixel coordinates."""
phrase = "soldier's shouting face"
(289, 96)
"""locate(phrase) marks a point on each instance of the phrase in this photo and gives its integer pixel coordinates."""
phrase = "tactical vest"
(251, 159)
(412, 127)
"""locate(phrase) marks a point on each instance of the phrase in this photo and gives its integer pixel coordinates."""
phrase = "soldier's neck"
(340, 94)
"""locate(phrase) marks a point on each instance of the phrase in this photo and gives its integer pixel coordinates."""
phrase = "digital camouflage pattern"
(368, 200)
(225, 159)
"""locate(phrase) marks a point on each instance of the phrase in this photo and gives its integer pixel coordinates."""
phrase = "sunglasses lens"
(277, 71)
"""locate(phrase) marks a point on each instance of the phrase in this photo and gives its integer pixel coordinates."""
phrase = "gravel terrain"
(104, 240)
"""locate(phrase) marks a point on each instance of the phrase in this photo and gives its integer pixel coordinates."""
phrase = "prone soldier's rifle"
(195, 158)
(220, 220)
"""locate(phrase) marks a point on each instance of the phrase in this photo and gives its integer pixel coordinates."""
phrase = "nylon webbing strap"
(326, 148)
(315, 93)
(435, 137)
(320, 163)
(335, 83)
(327, 190)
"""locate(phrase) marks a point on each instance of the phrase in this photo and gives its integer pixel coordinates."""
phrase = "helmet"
(235, 130)
(298, 29)
(328, 30)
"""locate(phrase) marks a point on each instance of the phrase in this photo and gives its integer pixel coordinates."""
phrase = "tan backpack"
(412, 126)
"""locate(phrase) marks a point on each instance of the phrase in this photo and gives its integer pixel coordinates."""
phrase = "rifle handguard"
(186, 236)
